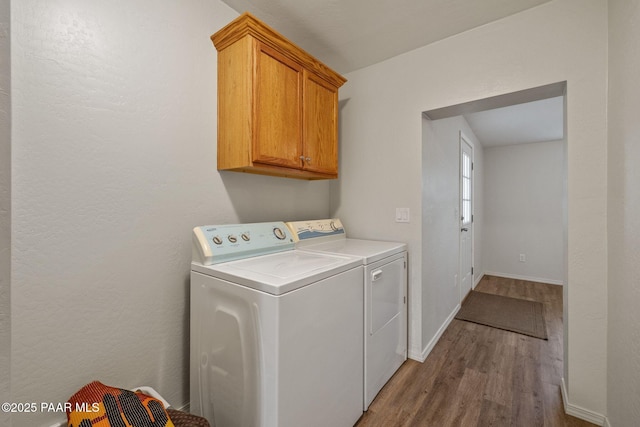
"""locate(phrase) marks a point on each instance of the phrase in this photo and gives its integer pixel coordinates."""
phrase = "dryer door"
(387, 294)
(386, 322)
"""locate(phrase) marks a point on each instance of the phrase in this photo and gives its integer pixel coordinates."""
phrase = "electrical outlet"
(523, 258)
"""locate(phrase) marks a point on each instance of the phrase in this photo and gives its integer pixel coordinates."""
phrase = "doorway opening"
(518, 208)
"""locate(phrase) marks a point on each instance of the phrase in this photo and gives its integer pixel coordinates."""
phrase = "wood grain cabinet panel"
(277, 105)
(278, 90)
(320, 126)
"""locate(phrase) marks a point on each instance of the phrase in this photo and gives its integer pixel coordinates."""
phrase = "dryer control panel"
(317, 230)
(213, 244)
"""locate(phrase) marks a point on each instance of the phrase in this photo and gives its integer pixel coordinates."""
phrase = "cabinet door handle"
(308, 160)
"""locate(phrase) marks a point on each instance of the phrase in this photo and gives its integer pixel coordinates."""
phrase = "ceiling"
(351, 34)
(537, 121)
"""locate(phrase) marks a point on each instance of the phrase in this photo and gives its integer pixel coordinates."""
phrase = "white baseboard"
(580, 412)
(414, 352)
(416, 355)
(423, 356)
(476, 281)
(527, 278)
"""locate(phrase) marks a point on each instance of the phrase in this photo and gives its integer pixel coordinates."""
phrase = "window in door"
(466, 188)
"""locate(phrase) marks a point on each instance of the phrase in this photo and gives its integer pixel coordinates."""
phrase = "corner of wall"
(580, 412)
(432, 343)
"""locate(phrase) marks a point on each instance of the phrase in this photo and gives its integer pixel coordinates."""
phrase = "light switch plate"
(403, 215)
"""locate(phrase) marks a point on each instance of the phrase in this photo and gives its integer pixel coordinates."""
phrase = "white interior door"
(466, 216)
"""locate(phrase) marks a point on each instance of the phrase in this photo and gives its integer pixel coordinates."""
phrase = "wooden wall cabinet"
(277, 105)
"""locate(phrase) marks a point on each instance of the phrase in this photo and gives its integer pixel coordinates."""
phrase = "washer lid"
(369, 250)
(281, 272)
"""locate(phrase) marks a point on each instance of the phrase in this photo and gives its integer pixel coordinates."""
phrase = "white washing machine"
(385, 294)
(276, 333)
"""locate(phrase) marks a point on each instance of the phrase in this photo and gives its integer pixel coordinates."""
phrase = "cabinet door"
(320, 126)
(277, 109)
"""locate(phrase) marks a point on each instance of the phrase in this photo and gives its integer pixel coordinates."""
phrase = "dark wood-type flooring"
(481, 376)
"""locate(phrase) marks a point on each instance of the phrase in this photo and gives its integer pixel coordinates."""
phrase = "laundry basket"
(135, 405)
(179, 418)
(184, 419)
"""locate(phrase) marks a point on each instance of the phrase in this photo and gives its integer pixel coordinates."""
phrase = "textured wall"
(624, 215)
(523, 213)
(563, 40)
(114, 154)
(441, 215)
(5, 209)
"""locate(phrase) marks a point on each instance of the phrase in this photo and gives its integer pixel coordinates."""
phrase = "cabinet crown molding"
(247, 24)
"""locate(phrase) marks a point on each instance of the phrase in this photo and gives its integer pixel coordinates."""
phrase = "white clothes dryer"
(385, 295)
(276, 333)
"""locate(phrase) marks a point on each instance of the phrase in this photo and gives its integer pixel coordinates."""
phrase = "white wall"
(440, 218)
(623, 380)
(381, 166)
(5, 209)
(114, 154)
(523, 214)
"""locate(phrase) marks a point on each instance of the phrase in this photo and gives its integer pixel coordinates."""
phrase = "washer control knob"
(245, 237)
(217, 240)
(279, 233)
(232, 238)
